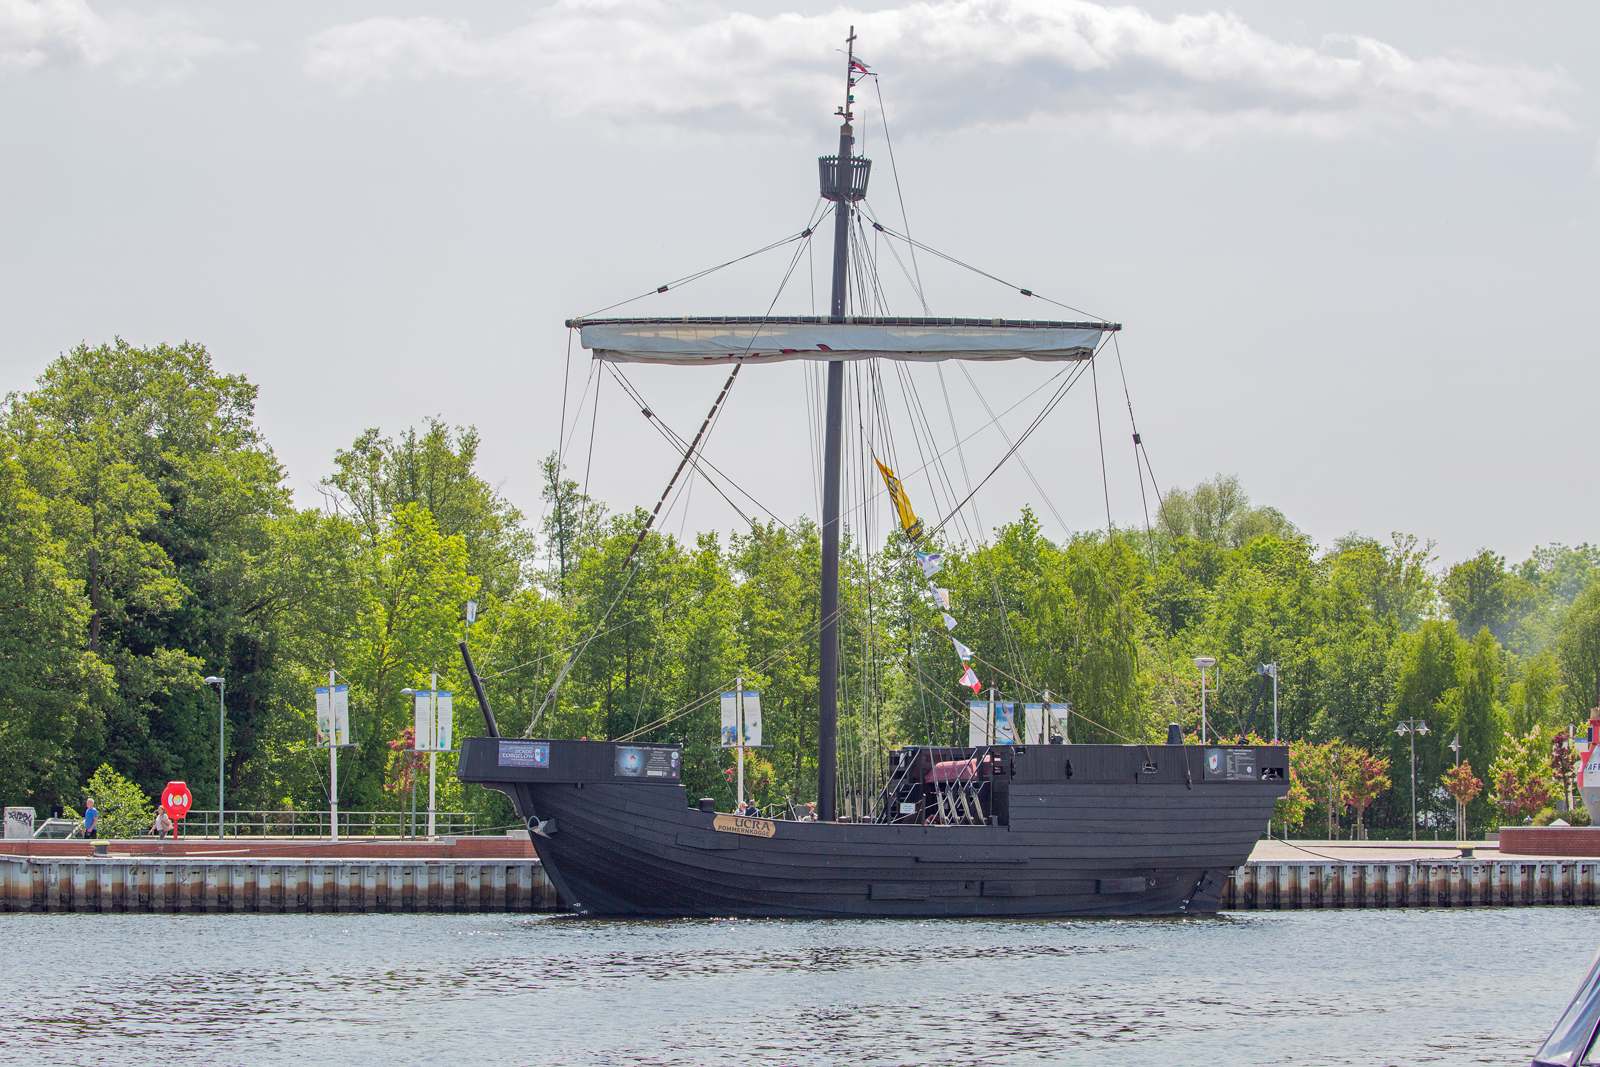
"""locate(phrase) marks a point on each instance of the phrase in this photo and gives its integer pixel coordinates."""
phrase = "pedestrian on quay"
(163, 824)
(91, 819)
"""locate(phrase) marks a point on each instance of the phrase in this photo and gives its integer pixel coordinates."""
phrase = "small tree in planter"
(1521, 776)
(1322, 769)
(1365, 777)
(1564, 765)
(1292, 807)
(1460, 783)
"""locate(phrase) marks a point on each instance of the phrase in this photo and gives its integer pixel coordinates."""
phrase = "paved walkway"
(1370, 851)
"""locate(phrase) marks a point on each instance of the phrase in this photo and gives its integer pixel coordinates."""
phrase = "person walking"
(91, 819)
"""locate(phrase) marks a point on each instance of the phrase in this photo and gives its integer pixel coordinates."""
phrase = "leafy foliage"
(1521, 775)
(147, 540)
(124, 809)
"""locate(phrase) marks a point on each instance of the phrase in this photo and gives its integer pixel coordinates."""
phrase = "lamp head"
(1455, 746)
(214, 680)
(1422, 728)
(408, 692)
(1402, 729)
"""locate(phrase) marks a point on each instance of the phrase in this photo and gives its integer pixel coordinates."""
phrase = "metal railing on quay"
(389, 824)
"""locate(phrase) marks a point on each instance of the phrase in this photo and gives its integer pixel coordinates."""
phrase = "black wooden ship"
(1047, 829)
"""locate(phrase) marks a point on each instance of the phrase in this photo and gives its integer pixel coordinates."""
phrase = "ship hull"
(1062, 847)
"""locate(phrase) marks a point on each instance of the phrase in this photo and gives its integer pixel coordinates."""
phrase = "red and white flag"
(971, 679)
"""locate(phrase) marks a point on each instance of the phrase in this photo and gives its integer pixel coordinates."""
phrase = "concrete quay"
(1292, 875)
(265, 876)
(504, 875)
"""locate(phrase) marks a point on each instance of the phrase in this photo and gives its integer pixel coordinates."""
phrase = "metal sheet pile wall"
(1463, 883)
(134, 885)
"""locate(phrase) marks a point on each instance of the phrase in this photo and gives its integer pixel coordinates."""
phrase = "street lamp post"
(222, 725)
(1461, 809)
(1272, 669)
(1203, 662)
(1413, 727)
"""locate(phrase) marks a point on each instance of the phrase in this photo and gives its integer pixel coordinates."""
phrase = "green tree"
(436, 470)
(1521, 775)
(1474, 711)
(570, 520)
(1578, 647)
(1481, 593)
(162, 493)
(124, 809)
(1218, 512)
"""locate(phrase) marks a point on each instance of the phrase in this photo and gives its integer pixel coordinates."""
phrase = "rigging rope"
(686, 279)
(1105, 482)
(894, 170)
(978, 270)
(679, 445)
(638, 541)
(1138, 441)
(1049, 407)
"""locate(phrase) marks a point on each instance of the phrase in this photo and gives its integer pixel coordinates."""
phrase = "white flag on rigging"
(970, 680)
(941, 597)
(962, 650)
(949, 621)
(930, 562)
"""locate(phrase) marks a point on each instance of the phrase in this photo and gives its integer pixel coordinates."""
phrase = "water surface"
(1360, 987)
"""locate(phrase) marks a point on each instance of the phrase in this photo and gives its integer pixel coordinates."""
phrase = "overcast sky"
(1353, 245)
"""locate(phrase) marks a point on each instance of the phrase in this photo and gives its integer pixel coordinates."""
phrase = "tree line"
(148, 540)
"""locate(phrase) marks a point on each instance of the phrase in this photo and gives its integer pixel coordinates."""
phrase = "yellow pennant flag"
(902, 503)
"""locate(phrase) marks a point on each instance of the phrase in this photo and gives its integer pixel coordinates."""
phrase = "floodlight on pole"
(1411, 728)
(1203, 662)
(222, 724)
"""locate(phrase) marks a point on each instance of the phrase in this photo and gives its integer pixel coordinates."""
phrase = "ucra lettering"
(739, 824)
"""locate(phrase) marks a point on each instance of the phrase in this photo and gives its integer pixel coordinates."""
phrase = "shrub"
(124, 809)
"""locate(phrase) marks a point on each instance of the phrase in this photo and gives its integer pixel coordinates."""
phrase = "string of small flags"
(930, 562)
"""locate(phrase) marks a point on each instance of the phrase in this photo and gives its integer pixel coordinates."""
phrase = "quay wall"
(302, 884)
(214, 885)
(1262, 885)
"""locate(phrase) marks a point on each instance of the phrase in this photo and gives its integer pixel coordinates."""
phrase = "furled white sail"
(754, 340)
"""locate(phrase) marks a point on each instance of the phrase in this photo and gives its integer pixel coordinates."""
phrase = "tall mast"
(840, 186)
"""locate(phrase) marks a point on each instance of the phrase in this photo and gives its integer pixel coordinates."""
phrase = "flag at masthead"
(844, 181)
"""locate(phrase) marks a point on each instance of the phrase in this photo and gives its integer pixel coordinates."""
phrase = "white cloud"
(953, 63)
(68, 33)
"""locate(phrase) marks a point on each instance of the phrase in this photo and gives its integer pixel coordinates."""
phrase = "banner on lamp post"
(445, 721)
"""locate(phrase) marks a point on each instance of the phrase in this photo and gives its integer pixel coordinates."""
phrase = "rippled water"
(1361, 987)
